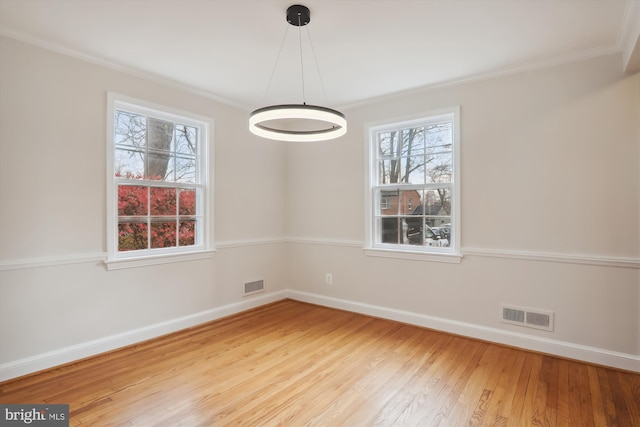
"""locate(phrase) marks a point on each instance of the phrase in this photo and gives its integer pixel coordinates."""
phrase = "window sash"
(379, 217)
(182, 222)
(378, 211)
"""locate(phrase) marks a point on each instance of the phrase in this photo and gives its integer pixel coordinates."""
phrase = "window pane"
(163, 234)
(439, 168)
(443, 227)
(393, 144)
(170, 172)
(158, 166)
(438, 202)
(186, 170)
(406, 230)
(385, 144)
(129, 129)
(385, 171)
(132, 236)
(402, 142)
(409, 142)
(187, 233)
(437, 213)
(132, 200)
(413, 226)
(408, 170)
(440, 137)
(390, 230)
(163, 201)
(434, 238)
(420, 232)
(410, 202)
(413, 170)
(128, 164)
(414, 141)
(185, 140)
(187, 202)
(388, 202)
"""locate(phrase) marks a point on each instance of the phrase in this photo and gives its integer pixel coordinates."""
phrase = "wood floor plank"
(609, 403)
(508, 384)
(596, 397)
(499, 394)
(425, 385)
(586, 407)
(534, 387)
(622, 411)
(515, 415)
(398, 389)
(473, 403)
(296, 364)
(456, 383)
(562, 403)
(631, 394)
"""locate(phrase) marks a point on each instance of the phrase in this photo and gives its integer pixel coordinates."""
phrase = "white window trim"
(117, 260)
(419, 253)
(143, 261)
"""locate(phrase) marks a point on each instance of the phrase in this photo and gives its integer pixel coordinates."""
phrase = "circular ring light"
(297, 122)
(332, 123)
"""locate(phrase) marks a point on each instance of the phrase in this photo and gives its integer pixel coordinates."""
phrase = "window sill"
(450, 258)
(122, 263)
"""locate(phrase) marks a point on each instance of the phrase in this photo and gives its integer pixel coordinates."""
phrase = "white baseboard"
(91, 348)
(559, 348)
(569, 350)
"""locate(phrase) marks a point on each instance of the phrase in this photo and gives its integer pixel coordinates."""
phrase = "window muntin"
(413, 185)
(158, 177)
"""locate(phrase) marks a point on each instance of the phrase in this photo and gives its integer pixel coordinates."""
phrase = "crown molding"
(623, 35)
(125, 69)
(504, 72)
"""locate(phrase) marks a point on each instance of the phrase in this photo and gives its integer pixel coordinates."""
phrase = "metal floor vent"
(529, 317)
(253, 287)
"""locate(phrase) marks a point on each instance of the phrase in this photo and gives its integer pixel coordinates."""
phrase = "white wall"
(550, 199)
(550, 184)
(55, 293)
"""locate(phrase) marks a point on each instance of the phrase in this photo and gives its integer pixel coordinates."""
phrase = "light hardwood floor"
(296, 364)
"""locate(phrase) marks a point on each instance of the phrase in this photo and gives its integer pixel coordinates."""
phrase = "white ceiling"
(364, 48)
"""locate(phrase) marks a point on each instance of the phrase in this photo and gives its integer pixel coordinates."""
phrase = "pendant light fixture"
(298, 122)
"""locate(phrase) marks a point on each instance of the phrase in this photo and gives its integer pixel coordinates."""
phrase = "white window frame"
(144, 257)
(451, 254)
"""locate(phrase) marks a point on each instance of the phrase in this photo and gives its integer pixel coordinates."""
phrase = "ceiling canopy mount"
(298, 15)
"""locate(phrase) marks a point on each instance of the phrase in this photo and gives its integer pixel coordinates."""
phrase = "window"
(413, 187)
(157, 203)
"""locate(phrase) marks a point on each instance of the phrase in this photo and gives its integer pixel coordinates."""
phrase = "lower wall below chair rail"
(50, 359)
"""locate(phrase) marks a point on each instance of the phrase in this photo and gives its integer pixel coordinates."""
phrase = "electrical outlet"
(328, 279)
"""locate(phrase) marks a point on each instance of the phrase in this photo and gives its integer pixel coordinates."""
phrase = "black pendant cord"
(304, 100)
(315, 60)
(275, 66)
